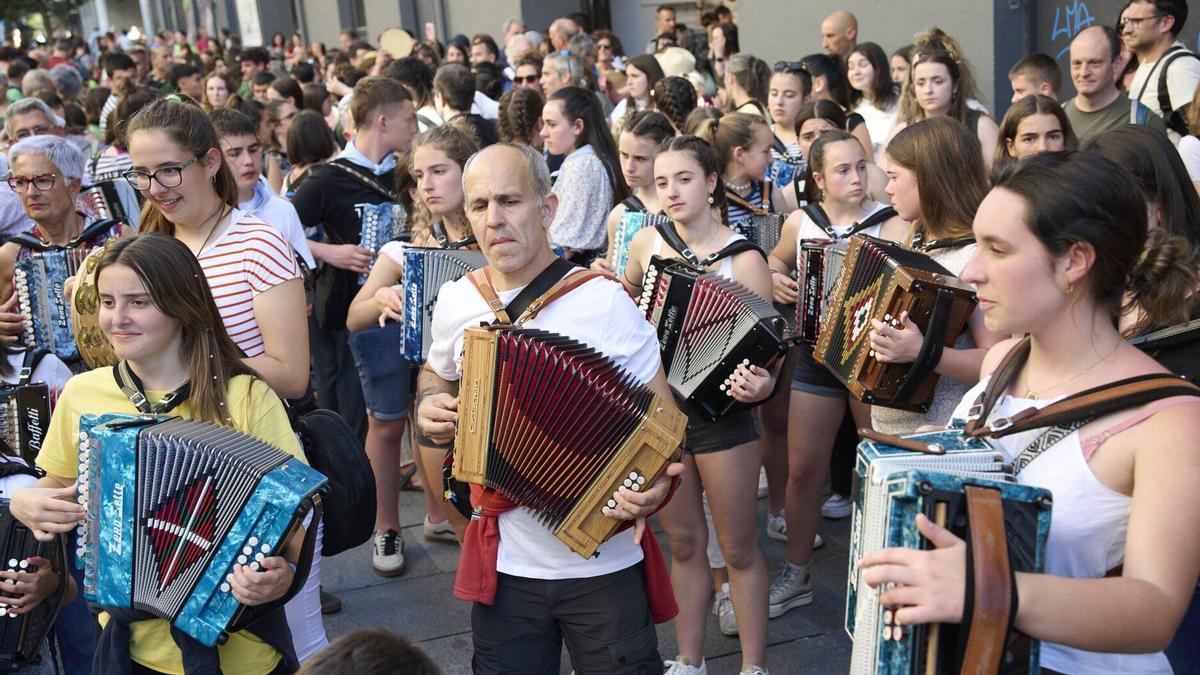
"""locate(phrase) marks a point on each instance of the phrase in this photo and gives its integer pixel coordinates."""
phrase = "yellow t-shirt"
(255, 410)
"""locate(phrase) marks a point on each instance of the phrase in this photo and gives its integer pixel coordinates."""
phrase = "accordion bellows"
(425, 271)
(557, 427)
(172, 505)
(891, 486)
(39, 283)
(820, 261)
(706, 326)
(21, 635)
(880, 280)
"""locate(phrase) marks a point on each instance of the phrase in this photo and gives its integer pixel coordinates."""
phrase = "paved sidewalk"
(419, 603)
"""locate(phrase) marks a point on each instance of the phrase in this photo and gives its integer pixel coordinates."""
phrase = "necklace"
(1033, 395)
(220, 212)
(739, 188)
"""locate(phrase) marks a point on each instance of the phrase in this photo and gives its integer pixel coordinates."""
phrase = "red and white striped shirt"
(249, 258)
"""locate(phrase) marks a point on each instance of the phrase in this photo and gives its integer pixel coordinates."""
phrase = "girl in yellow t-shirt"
(156, 308)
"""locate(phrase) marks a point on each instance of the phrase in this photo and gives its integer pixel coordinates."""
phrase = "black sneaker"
(330, 603)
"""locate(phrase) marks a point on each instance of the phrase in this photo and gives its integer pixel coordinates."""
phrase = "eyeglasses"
(790, 67)
(40, 130)
(43, 183)
(1136, 21)
(525, 79)
(168, 176)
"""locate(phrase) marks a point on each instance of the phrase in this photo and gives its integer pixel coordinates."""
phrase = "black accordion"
(707, 325)
(21, 635)
(172, 506)
(763, 230)
(111, 200)
(819, 263)
(425, 271)
(880, 280)
(24, 418)
(557, 428)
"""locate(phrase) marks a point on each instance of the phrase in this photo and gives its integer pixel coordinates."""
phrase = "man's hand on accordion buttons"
(12, 322)
(349, 257)
(751, 384)
(47, 511)
(390, 301)
(437, 417)
(896, 341)
(929, 586)
(269, 583)
(784, 288)
(638, 506)
(23, 591)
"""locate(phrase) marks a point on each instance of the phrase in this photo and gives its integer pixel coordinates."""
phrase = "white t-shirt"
(879, 123)
(1182, 78)
(281, 215)
(1189, 150)
(599, 314)
(50, 370)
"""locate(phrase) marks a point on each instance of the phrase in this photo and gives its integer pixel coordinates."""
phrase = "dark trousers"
(603, 620)
(335, 378)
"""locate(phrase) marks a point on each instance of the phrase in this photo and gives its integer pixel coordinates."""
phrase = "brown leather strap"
(1001, 377)
(564, 286)
(992, 582)
(481, 279)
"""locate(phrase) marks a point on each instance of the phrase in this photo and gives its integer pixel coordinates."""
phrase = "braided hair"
(520, 110)
(676, 98)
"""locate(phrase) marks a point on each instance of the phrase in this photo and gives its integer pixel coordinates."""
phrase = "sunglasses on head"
(790, 67)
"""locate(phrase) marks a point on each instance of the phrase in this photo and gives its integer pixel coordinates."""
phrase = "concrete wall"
(323, 20)
(776, 30)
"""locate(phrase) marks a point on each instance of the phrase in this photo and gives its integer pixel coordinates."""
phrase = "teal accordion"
(38, 280)
(381, 223)
(895, 479)
(630, 223)
(172, 506)
(425, 271)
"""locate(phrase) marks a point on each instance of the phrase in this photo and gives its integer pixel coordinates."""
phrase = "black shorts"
(728, 432)
(813, 378)
(604, 621)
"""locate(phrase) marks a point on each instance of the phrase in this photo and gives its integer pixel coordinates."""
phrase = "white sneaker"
(723, 608)
(762, 482)
(836, 507)
(388, 555)
(680, 666)
(777, 526)
(792, 588)
(442, 531)
(754, 670)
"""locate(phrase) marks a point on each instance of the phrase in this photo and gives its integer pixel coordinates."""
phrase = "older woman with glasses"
(45, 175)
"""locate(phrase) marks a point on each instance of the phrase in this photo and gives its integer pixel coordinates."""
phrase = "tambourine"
(397, 42)
(94, 347)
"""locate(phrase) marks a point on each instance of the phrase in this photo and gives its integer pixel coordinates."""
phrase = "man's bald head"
(561, 32)
(839, 33)
(509, 205)
(1093, 54)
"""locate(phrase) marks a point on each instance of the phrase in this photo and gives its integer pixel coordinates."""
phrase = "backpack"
(332, 448)
(1173, 118)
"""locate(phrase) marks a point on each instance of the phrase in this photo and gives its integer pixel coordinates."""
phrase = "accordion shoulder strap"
(438, 230)
(346, 167)
(741, 201)
(29, 363)
(666, 229)
(91, 231)
(541, 285)
(989, 598)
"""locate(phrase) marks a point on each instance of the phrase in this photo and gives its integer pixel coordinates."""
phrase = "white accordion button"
(265, 549)
(12, 563)
(24, 564)
(641, 480)
(887, 632)
(241, 560)
(887, 616)
(83, 436)
(255, 566)
(224, 587)
(253, 541)
(229, 577)
(259, 557)
(246, 550)
(627, 483)
(635, 487)
(612, 503)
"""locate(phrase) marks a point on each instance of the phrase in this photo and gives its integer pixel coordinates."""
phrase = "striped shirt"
(249, 258)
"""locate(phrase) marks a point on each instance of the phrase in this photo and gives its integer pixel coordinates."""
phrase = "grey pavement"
(420, 605)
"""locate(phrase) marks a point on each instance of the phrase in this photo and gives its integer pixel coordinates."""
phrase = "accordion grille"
(425, 271)
(720, 315)
(38, 280)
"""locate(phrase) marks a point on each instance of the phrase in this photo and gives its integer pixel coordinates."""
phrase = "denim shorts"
(727, 432)
(386, 377)
(811, 377)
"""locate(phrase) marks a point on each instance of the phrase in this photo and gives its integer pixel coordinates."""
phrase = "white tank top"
(724, 265)
(1087, 526)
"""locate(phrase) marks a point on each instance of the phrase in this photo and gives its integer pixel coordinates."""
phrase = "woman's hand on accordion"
(47, 510)
(896, 342)
(12, 322)
(23, 591)
(929, 586)
(390, 301)
(268, 583)
(751, 384)
(784, 288)
(638, 506)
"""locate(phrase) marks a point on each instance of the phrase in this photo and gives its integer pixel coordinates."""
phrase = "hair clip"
(174, 98)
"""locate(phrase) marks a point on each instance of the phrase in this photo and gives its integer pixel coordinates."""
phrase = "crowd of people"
(244, 278)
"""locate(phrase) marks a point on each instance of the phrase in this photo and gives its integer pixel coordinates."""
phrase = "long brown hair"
(459, 145)
(179, 289)
(911, 111)
(186, 124)
(706, 157)
(1033, 104)
(950, 190)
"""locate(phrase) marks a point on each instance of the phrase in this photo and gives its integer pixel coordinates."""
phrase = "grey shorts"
(728, 432)
(811, 377)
